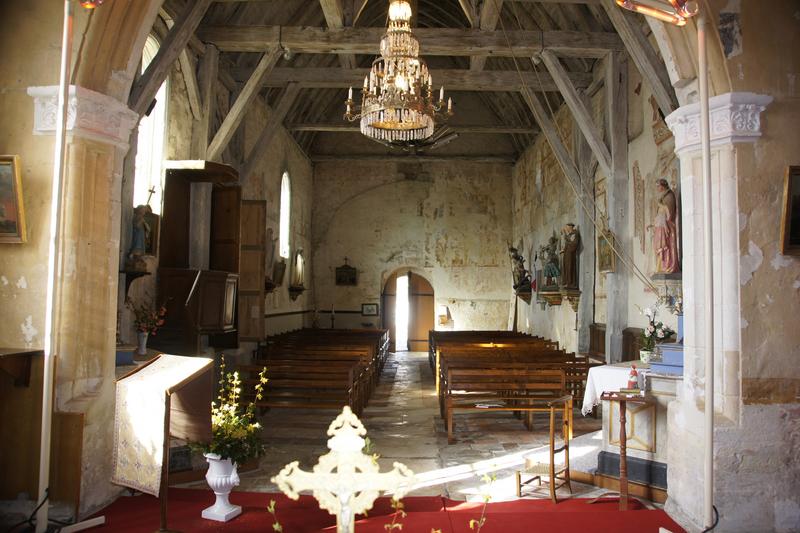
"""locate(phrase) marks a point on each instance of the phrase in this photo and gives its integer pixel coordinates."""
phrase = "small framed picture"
(12, 209)
(790, 229)
(369, 309)
(606, 259)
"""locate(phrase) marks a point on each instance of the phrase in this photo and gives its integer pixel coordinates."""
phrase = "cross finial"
(345, 481)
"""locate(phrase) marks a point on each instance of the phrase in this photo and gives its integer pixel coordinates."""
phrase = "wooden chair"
(556, 472)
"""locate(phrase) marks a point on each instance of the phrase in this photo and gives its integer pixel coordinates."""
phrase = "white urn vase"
(221, 477)
(141, 342)
(645, 356)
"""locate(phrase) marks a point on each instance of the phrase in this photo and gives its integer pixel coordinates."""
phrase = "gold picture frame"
(790, 227)
(606, 258)
(12, 207)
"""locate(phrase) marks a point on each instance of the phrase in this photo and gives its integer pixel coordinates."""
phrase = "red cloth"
(140, 514)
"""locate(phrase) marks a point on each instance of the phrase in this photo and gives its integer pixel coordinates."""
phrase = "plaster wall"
(450, 223)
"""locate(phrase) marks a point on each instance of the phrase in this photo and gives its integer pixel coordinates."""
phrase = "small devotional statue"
(551, 270)
(570, 243)
(522, 278)
(665, 230)
(139, 238)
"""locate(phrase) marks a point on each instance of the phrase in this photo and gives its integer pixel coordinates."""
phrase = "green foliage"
(489, 480)
(276, 526)
(399, 514)
(146, 318)
(236, 435)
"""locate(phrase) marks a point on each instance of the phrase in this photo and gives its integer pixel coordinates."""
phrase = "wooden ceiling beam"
(378, 158)
(468, 7)
(489, 16)
(345, 127)
(582, 115)
(334, 18)
(274, 123)
(452, 80)
(644, 56)
(242, 104)
(146, 87)
(435, 41)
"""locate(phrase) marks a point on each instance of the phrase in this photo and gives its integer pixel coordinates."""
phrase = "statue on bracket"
(139, 239)
(522, 278)
(570, 243)
(298, 276)
(665, 230)
(552, 270)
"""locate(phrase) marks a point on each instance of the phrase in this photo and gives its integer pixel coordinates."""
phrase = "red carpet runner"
(140, 514)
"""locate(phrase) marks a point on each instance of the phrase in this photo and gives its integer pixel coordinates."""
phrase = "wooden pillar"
(586, 262)
(617, 196)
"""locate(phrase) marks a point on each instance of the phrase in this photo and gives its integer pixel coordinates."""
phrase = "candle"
(441, 94)
(350, 94)
(449, 105)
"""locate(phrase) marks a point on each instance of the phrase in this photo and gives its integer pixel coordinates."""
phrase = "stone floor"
(403, 423)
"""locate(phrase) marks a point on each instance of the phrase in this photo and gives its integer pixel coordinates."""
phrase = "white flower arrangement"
(655, 331)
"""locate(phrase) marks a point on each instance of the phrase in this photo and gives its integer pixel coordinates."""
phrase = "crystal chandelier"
(397, 105)
(672, 11)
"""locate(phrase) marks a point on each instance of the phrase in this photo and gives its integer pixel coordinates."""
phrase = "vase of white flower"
(654, 332)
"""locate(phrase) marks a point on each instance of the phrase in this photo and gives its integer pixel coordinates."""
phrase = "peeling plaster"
(22, 283)
(4, 280)
(796, 284)
(743, 323)
(750, 263)
(743, 219)
(730, 30)
(28, 331)
(787, 515)
(780, 261)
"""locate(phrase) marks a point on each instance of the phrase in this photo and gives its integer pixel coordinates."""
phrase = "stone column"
(735, 119)
(98, 129)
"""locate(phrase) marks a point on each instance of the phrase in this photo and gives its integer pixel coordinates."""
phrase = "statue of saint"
(139, 238)
(570, 242)
(298, 270)
(551, 269)
(665, 230)
(522, 277)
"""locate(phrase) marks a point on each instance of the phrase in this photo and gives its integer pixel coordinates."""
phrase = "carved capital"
(90, 115)
(734, 118)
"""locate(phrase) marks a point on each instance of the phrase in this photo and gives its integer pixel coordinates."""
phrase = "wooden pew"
(501, 389)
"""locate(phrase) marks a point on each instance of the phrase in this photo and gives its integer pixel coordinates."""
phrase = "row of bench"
(319, 368)
(503, 371)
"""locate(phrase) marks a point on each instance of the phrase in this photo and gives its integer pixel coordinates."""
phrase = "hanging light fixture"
(397, 104)
(675, 12)
(91, 4)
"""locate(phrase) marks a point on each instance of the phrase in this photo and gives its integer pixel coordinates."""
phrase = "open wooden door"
(388, 306)
(422, 312)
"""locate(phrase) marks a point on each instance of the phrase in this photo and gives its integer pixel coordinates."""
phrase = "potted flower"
(235, 439)
(147, 319)
(653, 333)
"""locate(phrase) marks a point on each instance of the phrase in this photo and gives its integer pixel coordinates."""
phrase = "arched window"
(150, 146)
(285, 215)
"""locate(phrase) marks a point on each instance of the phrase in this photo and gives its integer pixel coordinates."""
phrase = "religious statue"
(551, 269)
(570, 242)
(522, 278)
(298, 270)
(665, 230)
(139, 238)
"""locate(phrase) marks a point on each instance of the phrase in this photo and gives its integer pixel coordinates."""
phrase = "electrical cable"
(528, 95)
(716, 520)
(30, 519)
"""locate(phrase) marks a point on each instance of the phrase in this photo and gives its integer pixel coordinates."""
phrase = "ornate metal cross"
(345, 481)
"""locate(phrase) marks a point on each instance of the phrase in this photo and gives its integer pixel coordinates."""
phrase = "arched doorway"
(408, 311)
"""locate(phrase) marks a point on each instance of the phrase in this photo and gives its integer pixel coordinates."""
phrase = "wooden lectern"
(169, 396)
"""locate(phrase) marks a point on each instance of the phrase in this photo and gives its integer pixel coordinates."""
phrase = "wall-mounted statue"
(522, 278)
(139, 239)
(665, 230)
(570, 243)
(551, 270)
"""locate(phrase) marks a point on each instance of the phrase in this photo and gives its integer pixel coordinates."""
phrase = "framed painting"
(12, 209)
(369, 309)
(790, 228)
(606, 259)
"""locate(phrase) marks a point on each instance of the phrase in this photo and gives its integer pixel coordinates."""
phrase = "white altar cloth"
(608, 378)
